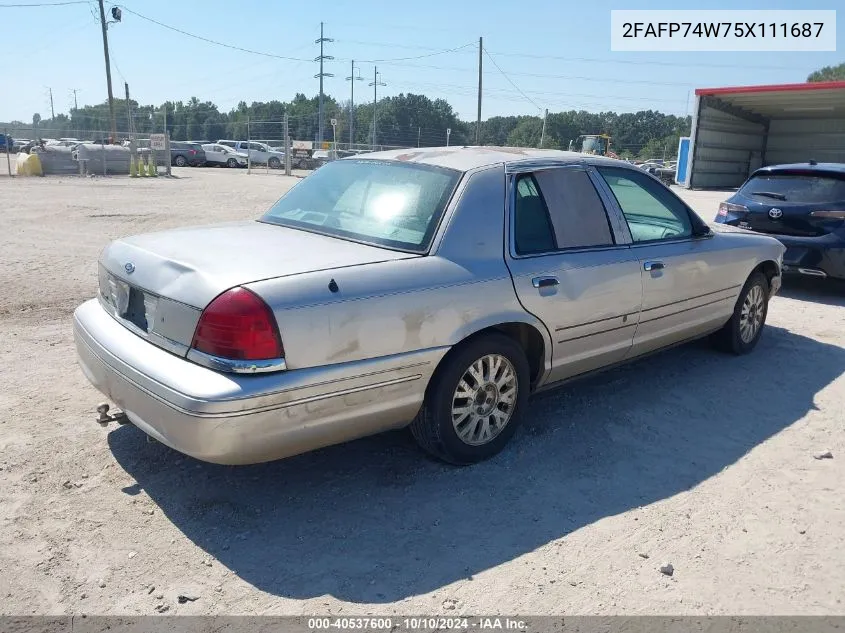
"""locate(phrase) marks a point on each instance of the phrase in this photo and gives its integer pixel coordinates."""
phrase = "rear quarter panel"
(392, 307)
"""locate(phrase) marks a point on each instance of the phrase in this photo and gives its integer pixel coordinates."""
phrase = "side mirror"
(702, 231)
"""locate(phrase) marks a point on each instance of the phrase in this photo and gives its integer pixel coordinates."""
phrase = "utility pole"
(52, 110)
(321, 74)
(75, 109)
(352, 78)
(478, 119)
(287, 145)
(128, 112)
(108, 69)
(543, 132)
(375, 84)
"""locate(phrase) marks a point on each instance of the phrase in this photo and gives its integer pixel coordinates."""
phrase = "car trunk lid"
(157, 284)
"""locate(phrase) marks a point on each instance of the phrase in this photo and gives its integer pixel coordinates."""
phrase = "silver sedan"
(433, 288)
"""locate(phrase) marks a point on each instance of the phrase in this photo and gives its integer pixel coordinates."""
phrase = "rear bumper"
(237, 419)
(814, 256)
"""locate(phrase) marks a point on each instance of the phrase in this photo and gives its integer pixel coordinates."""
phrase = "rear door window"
(795, 187)
(558, 209)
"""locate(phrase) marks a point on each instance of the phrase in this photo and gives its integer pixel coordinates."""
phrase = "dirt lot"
(691, 457)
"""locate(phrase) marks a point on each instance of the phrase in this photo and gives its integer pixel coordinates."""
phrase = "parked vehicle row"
(434, 289)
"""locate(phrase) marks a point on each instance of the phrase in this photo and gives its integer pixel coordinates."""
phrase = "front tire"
(475, 400)
(181, 161)
(231, 163)
(274, 163)
(741, 334)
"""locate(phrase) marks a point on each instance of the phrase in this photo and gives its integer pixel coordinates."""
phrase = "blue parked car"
(803, 206)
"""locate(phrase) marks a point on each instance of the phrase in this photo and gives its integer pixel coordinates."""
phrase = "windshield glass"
(392, 204)
(801, 188)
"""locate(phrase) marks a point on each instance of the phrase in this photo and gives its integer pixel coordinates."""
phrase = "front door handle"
(544, 282)
(649, 266)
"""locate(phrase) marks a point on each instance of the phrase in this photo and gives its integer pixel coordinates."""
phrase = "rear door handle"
(649, 266)
(544, 282)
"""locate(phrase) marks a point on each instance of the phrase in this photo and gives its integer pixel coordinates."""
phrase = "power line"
(529, 99)
(400, 59)
(42, 4)
(635, 62)
(547, 76)
(388, 45)
(211, 41)
(273, 55)
(542, 92)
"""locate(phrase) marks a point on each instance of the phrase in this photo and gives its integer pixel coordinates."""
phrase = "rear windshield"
(392, 204)
(801, 188)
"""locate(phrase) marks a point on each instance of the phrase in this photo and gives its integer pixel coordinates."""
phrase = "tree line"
(404, 120)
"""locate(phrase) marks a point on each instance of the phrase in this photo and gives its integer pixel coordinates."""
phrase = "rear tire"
(474, 402)
(741, 334)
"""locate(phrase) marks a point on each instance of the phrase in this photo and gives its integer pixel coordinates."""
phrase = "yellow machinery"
(594, 144)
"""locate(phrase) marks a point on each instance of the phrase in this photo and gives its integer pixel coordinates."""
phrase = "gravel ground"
(690, 457)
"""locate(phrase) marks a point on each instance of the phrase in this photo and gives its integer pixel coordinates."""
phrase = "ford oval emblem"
(129, 267)
(775, 213)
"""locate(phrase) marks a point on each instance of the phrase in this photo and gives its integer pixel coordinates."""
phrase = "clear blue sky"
(556, 51)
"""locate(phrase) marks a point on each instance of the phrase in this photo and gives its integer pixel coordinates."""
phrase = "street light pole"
(375, 84)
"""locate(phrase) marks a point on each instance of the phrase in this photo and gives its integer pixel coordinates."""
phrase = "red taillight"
(192, 151)
(727, 207)
(238, 325)
(829, 215)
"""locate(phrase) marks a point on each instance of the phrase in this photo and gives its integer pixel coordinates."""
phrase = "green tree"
(526, 133)
(828, 73)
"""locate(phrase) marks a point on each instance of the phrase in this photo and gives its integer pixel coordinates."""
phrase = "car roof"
(472, 157)
(821, 169)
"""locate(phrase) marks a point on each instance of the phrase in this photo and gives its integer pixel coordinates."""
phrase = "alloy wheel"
(484, 400)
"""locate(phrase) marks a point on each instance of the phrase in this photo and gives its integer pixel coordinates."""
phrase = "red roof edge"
(819, 85)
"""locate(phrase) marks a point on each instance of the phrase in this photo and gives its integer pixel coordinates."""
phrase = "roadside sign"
(333, 122)
(306, 145)
(157, 141)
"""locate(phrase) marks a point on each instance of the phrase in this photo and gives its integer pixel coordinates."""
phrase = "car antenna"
(813, 162)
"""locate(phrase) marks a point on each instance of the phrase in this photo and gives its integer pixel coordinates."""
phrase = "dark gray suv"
(182, 154)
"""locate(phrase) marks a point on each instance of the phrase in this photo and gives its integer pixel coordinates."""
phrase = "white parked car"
(259, 153)
(223, 156)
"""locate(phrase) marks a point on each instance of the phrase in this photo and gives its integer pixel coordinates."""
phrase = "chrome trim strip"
(677, 312)
(583, 336)
(812, 272)
(618, 316)
(701, 296)
(233, 366)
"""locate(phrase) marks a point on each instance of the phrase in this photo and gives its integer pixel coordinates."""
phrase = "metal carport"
(736, 130)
